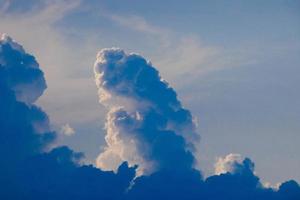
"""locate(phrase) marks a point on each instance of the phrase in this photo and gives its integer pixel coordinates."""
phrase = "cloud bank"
(146, 125)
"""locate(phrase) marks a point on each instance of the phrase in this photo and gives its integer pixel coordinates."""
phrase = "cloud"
(144, 114)
(147, 125)
(5, 5)
(59, 175)
(24, 127)
(139, 24)
(29, 169)
(187, 55)
(48, 11)
(67, 130)
(23, 74)
(238, 184)
(55, 52)
(56, 29)
(228, 164)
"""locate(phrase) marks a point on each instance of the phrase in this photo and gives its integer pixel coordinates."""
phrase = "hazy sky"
(234, 64)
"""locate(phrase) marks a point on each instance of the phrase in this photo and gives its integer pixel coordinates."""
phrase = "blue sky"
(234, 64)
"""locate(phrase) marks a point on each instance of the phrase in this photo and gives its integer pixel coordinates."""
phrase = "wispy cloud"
(38, 31)
(138, 23)
(180, 55)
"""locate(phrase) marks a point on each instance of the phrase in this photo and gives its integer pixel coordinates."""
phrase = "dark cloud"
(59, 175)
(236, 185)
(29, 170)
(24, 127)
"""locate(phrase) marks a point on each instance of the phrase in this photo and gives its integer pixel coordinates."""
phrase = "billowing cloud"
(22, 71)
(28, 170)
(24, 127)
(240, 183)
(230, 163)
(146, 123)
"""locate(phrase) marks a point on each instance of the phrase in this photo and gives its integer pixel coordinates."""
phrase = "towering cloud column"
(146, 123)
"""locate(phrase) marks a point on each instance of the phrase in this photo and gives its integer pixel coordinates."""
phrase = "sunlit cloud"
(67, 130)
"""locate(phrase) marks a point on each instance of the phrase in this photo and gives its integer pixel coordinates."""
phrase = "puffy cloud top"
(20, 72)
(146, 123)
(233, 163)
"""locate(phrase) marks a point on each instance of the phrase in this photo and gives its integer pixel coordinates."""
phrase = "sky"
(234, 65)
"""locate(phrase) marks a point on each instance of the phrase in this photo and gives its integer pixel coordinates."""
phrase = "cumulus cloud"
(146, 123)
(55, 52)
(29, 169)
(23, 75)
(22, 123)
(67, 130)
(229, 163)
(241, 183)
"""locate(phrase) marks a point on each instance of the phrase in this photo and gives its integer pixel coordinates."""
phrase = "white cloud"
(67, 130)
(270, 185)
(138, 23)
(227, 163)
